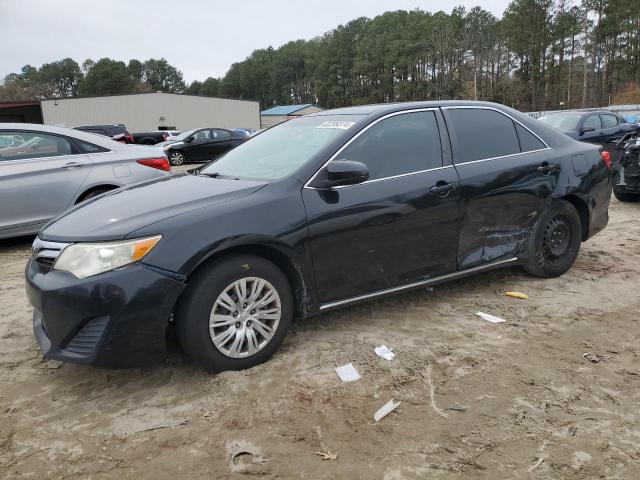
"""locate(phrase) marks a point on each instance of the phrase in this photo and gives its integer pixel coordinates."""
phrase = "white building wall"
(144, 112)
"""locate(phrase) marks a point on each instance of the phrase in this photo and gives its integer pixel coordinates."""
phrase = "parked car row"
(193, 146)
(320, 212)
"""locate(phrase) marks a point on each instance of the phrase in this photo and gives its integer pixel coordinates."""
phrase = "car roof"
(94, 138)
(384, 108)
(579, 112)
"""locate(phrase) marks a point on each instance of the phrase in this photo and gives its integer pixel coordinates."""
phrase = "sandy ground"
(478, 400)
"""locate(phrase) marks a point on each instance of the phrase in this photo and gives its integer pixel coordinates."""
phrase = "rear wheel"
(235, 314)
(177, 158)
(626, 196)
(554, 243)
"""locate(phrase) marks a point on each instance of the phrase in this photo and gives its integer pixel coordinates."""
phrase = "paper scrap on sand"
(490, 318)
(384, 352)
(385, 410)
(347, 373)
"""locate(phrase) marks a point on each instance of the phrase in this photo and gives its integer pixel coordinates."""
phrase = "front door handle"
(442, 189)
(546, 168)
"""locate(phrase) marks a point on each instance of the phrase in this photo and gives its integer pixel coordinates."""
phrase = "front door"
(398, 227)
(39, 176)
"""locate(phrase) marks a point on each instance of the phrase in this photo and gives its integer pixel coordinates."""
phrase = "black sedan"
(317, 213)
(202, 144)
(599, 127)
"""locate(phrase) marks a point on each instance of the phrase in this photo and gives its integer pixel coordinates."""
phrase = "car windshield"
(279, 151)
(186, 134)
(562, 121)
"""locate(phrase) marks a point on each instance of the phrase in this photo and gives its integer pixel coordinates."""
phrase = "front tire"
(554, 243)
(235, 313)
(177, 158)
(626, 196)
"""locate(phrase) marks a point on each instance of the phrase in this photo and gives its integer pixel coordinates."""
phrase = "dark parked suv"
(319, 212)
(118, 133)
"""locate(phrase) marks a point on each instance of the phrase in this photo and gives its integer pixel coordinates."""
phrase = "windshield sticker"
(337, 124)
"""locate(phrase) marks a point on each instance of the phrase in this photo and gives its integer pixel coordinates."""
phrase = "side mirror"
(188, 140)
(342, 172)
(586, 129)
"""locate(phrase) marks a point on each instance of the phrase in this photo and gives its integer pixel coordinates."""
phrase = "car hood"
(114, 215)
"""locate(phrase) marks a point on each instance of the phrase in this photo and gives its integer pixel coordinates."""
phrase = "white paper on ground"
(386, 409)
(347, 373)
(384, 352)
(490, 318)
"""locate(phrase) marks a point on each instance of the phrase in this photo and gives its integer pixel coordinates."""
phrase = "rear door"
(612, 131)
(506, 179)
(39, 177)
(401, 225)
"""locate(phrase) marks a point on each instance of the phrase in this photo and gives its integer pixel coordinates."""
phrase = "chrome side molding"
(427, 282)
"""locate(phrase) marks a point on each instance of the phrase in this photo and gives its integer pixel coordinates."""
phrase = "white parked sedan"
(44, 170)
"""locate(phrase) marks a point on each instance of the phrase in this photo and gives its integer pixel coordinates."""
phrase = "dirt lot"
(513, 400)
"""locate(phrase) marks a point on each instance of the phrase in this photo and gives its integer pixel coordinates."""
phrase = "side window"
(609, 121)
(86, 147)
(528, 141)
(483, 134)
(221, 134)
(202, 135)
(25, 145)
(592, 121)
(404, 143)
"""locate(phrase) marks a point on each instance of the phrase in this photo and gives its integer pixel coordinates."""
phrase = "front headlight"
(86, 259)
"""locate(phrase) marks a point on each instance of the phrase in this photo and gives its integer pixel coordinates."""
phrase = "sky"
(201, 38)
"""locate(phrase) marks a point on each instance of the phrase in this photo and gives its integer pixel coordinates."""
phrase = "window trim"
(357, 135)
(515, 120)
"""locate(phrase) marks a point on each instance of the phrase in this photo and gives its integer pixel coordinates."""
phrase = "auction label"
(337, 124)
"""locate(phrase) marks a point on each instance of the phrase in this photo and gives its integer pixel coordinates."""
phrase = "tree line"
(541, 54)
(66, 78)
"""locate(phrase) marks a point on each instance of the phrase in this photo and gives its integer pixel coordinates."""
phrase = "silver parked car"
(44, 170)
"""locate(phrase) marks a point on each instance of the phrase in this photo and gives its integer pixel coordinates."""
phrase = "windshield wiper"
(212, 175)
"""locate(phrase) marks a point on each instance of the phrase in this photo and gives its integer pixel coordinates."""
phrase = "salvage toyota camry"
(320, 212)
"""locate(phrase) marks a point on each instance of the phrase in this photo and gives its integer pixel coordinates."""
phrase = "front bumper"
(115, 319)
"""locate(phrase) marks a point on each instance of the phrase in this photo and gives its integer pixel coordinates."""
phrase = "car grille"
(45, 253)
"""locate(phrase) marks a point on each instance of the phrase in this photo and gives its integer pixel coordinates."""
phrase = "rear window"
(528, 141)
(86, 147)
(482, 134)
(609, 121)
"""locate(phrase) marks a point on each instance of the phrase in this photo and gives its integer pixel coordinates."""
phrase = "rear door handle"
(442, 189)
(546, 168)
(72, 165)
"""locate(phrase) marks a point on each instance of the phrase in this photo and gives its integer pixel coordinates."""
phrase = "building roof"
(285, 109)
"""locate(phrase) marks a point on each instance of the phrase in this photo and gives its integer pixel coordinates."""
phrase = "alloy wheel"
(176, 159)
(245, 317)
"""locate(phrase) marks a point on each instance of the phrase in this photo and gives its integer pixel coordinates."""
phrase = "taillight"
(159, 163)
(606, 158)
(165, 136)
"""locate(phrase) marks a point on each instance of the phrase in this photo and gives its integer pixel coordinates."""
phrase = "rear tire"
(247, 333)
(554, 243)
(626, 197)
